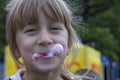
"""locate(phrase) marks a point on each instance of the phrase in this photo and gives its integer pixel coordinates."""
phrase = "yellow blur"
(87, 58)
(10, 66)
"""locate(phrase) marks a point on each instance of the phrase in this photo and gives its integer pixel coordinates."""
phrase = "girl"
(40, 32)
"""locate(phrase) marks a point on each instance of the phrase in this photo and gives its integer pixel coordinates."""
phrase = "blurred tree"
(107, 19)
(2, 29)
(100, 25)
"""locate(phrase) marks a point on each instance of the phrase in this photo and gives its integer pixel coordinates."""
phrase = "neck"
(41, 75)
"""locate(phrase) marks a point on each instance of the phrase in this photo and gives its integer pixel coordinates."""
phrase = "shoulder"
(16, 76)
(87, 74)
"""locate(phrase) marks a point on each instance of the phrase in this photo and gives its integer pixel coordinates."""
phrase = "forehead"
(29, 10)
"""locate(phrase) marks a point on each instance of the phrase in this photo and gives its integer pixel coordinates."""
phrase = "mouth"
(37, 56)
(55, 50)
(44, 57)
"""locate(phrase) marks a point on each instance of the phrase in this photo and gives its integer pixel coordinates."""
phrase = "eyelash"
(56, 27)
(30, 30)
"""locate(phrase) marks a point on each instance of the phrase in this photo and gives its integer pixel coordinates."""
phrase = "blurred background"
(98, 27)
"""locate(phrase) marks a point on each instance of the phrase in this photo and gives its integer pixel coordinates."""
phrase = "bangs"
(24, 13)
(56, 10)
(29, 10)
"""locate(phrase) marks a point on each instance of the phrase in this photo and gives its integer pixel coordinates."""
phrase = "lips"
(39, 56)
(55, 50)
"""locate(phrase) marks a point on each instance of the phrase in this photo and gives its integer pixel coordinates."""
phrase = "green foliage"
(101, 26)
(2, 30)
(103, 40)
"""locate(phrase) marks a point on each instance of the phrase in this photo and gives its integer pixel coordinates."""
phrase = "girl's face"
(40, 38)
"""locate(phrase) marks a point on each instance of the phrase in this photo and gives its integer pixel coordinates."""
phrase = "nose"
(44, 38)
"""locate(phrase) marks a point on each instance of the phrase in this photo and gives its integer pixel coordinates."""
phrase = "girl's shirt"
(83, 75)
(18, 75)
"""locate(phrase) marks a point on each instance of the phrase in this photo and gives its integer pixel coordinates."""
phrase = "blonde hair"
(22, 12)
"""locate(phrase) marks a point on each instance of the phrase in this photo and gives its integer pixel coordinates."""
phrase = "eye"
(30, 30)
(55, 29)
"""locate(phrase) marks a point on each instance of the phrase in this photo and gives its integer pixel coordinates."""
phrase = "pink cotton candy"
(56, 49)
(35, 56)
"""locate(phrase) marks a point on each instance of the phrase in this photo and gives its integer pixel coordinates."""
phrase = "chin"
(44, 68)
(47, 69)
